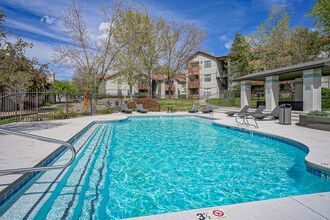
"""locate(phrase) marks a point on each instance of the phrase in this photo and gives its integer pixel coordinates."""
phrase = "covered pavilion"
(307, 84)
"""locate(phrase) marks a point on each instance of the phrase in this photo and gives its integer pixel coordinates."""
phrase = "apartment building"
(115, 86)
(207, 76)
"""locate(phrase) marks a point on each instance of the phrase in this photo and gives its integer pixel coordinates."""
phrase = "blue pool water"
(148, 166)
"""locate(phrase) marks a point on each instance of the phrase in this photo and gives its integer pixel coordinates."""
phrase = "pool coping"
(22, 181)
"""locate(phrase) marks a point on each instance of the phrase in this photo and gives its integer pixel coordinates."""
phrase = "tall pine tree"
(239, 57)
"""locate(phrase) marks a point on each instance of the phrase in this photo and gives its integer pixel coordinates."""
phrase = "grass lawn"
(180, 104)
(64, 106)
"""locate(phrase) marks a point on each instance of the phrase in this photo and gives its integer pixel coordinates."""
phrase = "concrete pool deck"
(17, 152)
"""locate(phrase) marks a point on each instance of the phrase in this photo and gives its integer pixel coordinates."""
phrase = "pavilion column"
(272, 89)
(312, 90)
(298, 89)
(162, 90)
(245, 93)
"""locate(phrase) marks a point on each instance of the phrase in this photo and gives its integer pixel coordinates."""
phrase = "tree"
(151, 51)
(93, 57)
(271, 42)
(180, 41)
(305, 45)
(18, 73)
(128, 62)
(61, 87)
(321, 13)
(239, 57)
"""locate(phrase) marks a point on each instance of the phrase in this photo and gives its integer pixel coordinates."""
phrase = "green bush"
(319, 113)
(73, 114)
(59, 115)
(85, 113)
(106, 111)
(141, 95)
(115, 108)
(48, 104)
(325, 92)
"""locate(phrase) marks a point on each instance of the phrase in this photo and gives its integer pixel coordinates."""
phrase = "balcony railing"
(193, 71)
(167, 88)
(193, 85)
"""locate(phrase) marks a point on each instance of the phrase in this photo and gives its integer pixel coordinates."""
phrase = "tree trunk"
(170, 84)
(150, 85)
(131, 93)
(96, 96)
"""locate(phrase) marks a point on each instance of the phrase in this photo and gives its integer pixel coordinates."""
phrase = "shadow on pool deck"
(32, 126)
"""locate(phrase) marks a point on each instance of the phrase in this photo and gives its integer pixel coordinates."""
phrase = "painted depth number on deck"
(211, 215)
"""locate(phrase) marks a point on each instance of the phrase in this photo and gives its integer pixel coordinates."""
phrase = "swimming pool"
(147, 166)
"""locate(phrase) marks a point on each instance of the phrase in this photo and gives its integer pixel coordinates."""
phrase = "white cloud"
(223, 38)
(48, 20)
(228, 44)
(272, 3)
(40, 50)
(226, 41)
(32, 29)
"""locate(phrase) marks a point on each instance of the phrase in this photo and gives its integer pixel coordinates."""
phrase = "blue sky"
(38, 21)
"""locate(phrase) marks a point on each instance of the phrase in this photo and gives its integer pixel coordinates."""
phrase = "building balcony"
(193, 85)
(172, 88)
(193, 71)
(143, 87)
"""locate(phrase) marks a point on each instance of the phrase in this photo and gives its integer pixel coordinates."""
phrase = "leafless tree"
(94, 57)
(180, 41)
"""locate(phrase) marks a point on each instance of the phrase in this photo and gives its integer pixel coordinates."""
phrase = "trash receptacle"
(285, 114)
(116, 103)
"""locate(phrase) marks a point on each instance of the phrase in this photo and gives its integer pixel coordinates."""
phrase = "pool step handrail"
(46, 139)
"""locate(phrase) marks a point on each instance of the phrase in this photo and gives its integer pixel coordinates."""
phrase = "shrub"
(73, 114)
(325, 92)
(319, 113)
(48, 104)
(115, 109)
(106, 111)
(149, 103)
(141, 95)
(59, 115)
(131, 105)
(85, 113)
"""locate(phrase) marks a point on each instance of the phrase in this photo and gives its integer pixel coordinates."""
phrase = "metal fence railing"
(46, 105)
(43, 105)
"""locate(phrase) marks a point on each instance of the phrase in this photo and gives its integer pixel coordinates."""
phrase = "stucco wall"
(112, 87)
(214, 70)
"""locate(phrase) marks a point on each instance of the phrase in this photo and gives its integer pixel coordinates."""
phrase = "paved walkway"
(17, 152)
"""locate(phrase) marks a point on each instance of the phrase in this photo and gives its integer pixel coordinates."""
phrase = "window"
(193, 78)
(207, 78)
(207, 64)
(207, 92)
(193, 91)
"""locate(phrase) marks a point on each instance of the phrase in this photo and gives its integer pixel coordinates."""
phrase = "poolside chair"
(208, 109)
(139, 108)
(194, 109)
(258, 111)
(244, 110)
(275, 114)
(125, 109)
